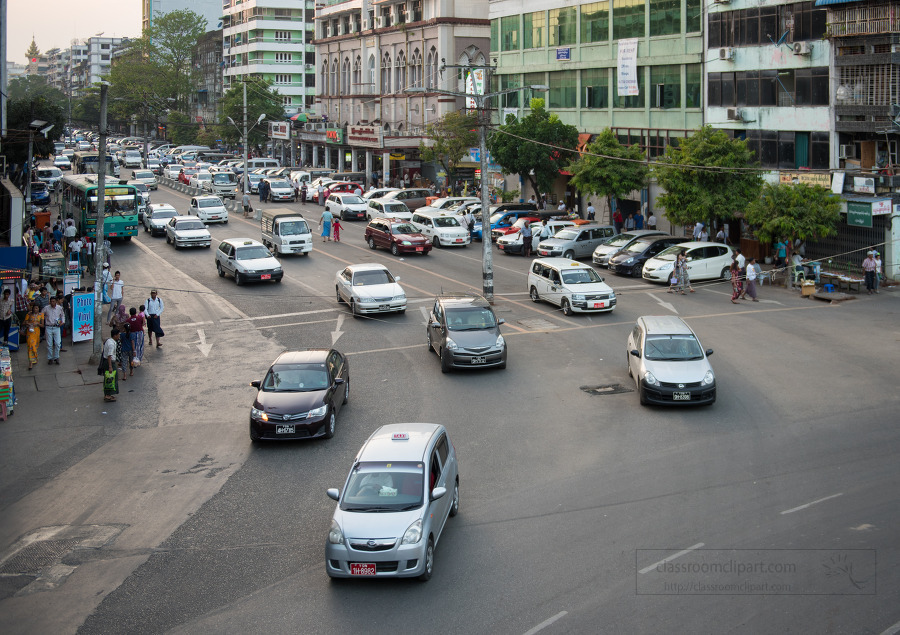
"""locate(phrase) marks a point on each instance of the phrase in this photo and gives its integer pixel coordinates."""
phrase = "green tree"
(209, 136)
(539, 162)
(261, 98)
(453, 135)
(620, 169)
(20, 114)
(86, 109)
(790, 211)
(181, 128)
(33, 86)
(697, 195)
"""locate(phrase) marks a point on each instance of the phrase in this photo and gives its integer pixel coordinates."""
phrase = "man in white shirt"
(651, 221)
(561, 208)
(116, 294)
(154, 307)
(590, 211)
(751, 279)
(54, 318)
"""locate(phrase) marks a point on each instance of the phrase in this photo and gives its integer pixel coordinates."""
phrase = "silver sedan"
(369, 288)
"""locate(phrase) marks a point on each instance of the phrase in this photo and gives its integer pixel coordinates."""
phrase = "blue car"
(40, 195)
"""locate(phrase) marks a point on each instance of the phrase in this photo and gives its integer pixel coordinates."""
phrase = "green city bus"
(79, 200)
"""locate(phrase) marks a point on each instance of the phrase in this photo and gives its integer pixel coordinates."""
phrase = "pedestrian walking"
(720, 235)
(336, 226)
(263, 190)
(878, 271)
(136, 335)
(684, 277)
(105, 279)
(629, 223)
(742, 266)
(704, 235)
(245, 201)
(34, 322)
(781, 254)
(736, 286)
(752, 275)
(320, 191)
(54, 318)
(7, 308)
(698, 227)
(126, 351)
(325, 224)
(618, 221)
(303, 193)
(107, 367)
(590, 211)
(155, 307)
(470, 222)
(638, 220)
(526, 239)
(870, 267)
(116, 295)
(651, 221)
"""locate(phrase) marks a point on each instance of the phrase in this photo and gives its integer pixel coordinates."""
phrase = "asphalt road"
(573, 502)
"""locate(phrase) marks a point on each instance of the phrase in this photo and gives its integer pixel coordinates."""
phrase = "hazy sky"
(55, 23)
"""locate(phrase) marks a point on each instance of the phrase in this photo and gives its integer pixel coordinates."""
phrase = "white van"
(224, 183)
(570, 285)
(255, 164)
(285, 232)
(441, 228)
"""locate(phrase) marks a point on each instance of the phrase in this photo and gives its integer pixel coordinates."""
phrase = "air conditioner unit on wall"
(847, 151)
(328, 31)
(379, 22)
(726, 53)
(802, 48)
(365, 25)
(734, 114)
(340, 29)
(409, 16)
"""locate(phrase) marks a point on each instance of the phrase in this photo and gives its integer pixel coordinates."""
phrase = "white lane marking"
(797, 509)
(546, 623)
(336, 333)
(670, 558)
(666, 305)
(203, 346)
(728, 293)
(425, 314)
(892, 630)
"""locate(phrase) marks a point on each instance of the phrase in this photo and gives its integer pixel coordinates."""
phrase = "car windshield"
(38, 186)
(581, 276)
(446, 221)
(670, 253)
(353, 200)
(162, 214)
(275, 183)
(296, 378)
(470, 319)
(210, 202)
(373, 276)
(251, 253)
(495, 218)
(384, 487)
(403, 228)
(620, 241)
(672, 348)
(201, 176)
(637, 247)
(223, 177)
(396, 208)
(294, 228)
(144, 175)
(567, 234)
(140, 187)
(253, 178)
(188, 225)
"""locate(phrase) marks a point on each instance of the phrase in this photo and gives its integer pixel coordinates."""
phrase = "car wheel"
(277, 280)
(425, 252)
(436, 242)
(168, 240)
(569, 254)
(346, 391)
(534, 295)
(238, 278)
(446, 360)
(329, 431)
(429, 561)
(337, 294)
(395, 250)
(225, 222)
(254, 437)
(628, 363)
(454, 506)
(353, 309)
(566, 307)
(428, 338)
(642, 394)
(220, 270)
(726, 274)
(371, 243)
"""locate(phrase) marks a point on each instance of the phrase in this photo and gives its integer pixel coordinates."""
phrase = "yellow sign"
(398, 156)
(810, 178)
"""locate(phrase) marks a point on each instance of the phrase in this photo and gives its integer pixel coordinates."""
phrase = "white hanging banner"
(627, 74)
(474, 86)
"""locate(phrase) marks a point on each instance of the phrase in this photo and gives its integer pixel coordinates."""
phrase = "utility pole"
(99, 251)
(28, 166)
(245, 178)
(487, 257)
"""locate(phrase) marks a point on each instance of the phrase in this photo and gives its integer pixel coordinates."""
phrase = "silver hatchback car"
(402, 488)
(668, 364)
(576, 242)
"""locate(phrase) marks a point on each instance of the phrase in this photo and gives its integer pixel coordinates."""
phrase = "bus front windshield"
(115, 205)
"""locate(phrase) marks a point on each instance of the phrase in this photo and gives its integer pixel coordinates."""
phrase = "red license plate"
(500, 247)
(544, 253)
(362, 568)
(419, 248)
(459, 240)
(599, 305)
(266, 276)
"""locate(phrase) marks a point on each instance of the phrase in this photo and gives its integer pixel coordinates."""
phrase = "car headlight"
(277, 270)
(256, 413)
(451, 344)
(666, 267)
(650, 379)
(708, 378)
(335, 535)
(399, 298)
(500, 343)
(629, 261)
(405, 242)
(413, 534)
(317, 412)
(578, 297)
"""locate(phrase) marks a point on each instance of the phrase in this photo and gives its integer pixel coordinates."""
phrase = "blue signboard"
(82, 317)
(564, 54)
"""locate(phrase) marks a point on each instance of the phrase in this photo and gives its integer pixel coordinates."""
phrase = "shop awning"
(822, 3)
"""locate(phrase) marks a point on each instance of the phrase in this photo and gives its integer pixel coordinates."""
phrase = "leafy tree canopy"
(33, 86)
(181, 128)
(453, 135)
(261, 98)
(623, 172)
(19, 117)
(790, 211)
(691, 195)
(538, 163)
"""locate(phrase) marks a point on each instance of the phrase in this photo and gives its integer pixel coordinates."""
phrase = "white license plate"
(214, 217)
(284, 429)
(266, 276)
(384, 307)
(599, 305)
(362, 568)
(681, 396)
(479, 360)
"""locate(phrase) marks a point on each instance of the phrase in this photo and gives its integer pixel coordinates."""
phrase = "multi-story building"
(90, 61)
(634, 66)
(379, 70)
(58, 68)
(209, 9)
(206, 101)
(272, 40)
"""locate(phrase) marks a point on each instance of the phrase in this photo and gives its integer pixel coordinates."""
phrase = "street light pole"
(99, 251)
(246, 188)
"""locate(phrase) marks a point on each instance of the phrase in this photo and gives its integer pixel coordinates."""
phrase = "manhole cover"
(38, 555)
(606, 389)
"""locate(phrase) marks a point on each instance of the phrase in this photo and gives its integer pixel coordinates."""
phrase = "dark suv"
(400, 236)
(630, 260)
(465, 333)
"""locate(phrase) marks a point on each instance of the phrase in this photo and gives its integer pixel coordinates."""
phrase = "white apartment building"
(209, 9)
(272, 40)
(90, 61)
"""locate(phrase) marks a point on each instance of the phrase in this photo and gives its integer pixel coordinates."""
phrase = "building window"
(416, 69)
(563, 26)
(594, 22)
(357, 75)
(370, 85)
(595, 88)
(692, 86)
(509, 100)
(386, 74)
(104, 46)
(333, 86)
(400, 78)
(563, 89)
(665, 17)
(533, 79)
(819, 150)
(104, 58)
(693, 17)
(665, 86)
(636, 101)
(283, 80)
(323, 80)
(533, 30)
(345, 76)
(431, 78)
(495, 34)
(509, 33)
(628, 18)
(282, 58)
(287, 101)
(282, 36)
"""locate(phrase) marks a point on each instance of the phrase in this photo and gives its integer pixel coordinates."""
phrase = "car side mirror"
(231, 257)
(338, 381)
(255, 383)
(635, 352)
(396, 278)
(333, 493)
(709, 352)
(438, 492)
(435, 325)
(501, 321)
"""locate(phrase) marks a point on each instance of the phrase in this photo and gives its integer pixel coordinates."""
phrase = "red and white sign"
(365, 136)
(279, 130)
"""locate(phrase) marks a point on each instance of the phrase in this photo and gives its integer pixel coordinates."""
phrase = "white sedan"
(62, 162)
(201, 180)
(173, 170)
(187, 231)
(705, 261)
(346, 206)
(369, 288)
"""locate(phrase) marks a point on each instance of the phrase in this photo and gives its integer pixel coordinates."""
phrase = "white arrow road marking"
(337, 332)
(666, 305)
(203, 346)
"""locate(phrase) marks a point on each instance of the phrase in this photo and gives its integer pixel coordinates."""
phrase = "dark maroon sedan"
(300, 396)
(400, 236)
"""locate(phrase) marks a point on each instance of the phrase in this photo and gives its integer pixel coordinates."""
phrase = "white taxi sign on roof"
(400, 436)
